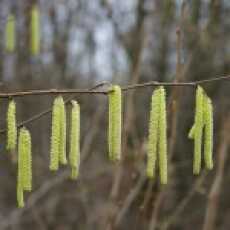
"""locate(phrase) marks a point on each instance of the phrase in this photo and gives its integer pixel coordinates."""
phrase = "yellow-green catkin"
(208, 133)
(62, 141)
(115, 123)
(198, 134)
(153, 134)
(24, 181)
(11, 126)
(10, 33)
(74, 154)
(163, 137)
(35, 31)
(55, 136)
(20, 196)
(27, 162)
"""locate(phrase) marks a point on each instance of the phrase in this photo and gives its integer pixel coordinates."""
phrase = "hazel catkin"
(163, 138)
(198, 133)
(208, 133)
(24, 180)
(153, 134)
(10, 33)
(11, 126)
(74, 154)
(62, 141)
(35, 30)
(55, 136)
(115, 120)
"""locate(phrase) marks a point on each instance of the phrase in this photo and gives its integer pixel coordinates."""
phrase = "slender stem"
(108, 90)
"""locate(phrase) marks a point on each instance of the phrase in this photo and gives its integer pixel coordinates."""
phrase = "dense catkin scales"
(20, 197)
(24, 181)
(11, 126)
(163, 138)
(10, 33)
(115, 120)
(35, 30)
(27, 184)
(74, 154)
(153, 134)
(198, 134)
(62, 142)
(55, 136)
(208, 133)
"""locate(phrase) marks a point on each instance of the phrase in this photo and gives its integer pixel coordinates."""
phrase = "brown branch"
(106, 91)
(47, 111)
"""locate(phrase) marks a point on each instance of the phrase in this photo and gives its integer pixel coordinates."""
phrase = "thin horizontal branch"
(52, 91)
(108, 90)
(47, 111)
(94, 90)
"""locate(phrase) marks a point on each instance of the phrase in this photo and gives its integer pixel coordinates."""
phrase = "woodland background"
(84, 42)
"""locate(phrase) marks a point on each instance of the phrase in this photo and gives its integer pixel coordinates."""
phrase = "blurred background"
(83, 43)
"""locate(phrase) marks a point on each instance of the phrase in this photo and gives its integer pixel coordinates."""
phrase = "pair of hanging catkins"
(24, 180)
(58, 137)
(157, 140)
(10, 32)
(203, 124)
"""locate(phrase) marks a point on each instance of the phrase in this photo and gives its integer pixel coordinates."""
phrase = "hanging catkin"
(74, 155)
(24, 182)
(115, 120)
(20, 197)
(208, 133)
(27, 162)
(35, 30)
(11, 126)
(198, 133)
(62, 142)
(153, 134)
(163, 138)
(55, 136)
(10, 33)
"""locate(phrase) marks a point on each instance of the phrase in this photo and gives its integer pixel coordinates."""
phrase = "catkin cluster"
(24, 181)
(35, 30)
(74, 154)
(203, 123)
(10, 33)
(58, 136)
(11, 126)
(157, 140)
(115, 120)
